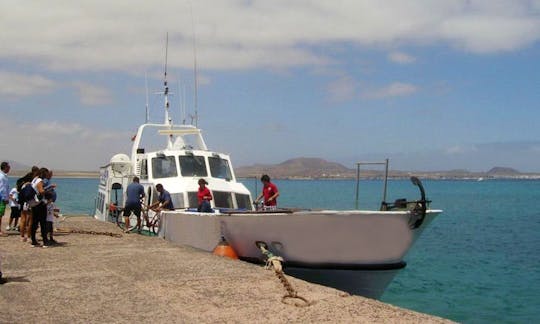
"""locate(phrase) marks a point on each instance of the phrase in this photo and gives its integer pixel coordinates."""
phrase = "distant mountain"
(319, 168)
(498, 171)
(298, 168)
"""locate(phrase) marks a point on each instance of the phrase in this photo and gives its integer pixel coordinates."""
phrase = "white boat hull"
(356, 251)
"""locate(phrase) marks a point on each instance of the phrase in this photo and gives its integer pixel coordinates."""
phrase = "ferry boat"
(357, 251)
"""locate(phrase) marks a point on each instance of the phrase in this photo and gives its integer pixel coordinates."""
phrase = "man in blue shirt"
(164, 199)
(4, 191)
(134, 193)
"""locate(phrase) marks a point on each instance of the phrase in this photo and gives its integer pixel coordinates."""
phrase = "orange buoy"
(224, 249)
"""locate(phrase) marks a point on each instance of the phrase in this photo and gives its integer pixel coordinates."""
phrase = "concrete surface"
(135, 278)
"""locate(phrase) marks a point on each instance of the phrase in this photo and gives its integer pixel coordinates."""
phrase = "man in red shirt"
(270, 193)
(203, 197)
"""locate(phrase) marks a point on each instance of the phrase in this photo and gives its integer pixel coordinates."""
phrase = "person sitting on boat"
(270, 193)
(203, 197)
(164, 200)
(134, 192)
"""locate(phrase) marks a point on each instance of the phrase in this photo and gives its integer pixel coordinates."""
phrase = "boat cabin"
(178, 168)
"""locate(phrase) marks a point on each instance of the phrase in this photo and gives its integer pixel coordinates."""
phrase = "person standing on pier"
(15, 210)
(270, 193)
(25, 222)
(134, 192)
(39, 211)
(4, 191)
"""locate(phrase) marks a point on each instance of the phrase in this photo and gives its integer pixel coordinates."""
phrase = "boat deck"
(136, 278)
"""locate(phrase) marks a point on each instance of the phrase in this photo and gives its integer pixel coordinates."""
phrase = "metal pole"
(385, 181)
(357, 183)
(256, 189)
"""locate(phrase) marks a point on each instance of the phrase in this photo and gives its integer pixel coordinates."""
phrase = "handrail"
(385, 163)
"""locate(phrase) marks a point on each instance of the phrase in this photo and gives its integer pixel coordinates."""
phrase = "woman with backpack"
(25, 222)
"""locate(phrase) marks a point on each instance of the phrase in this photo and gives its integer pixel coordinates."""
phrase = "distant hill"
(499, 171)
(319, 169)
(298, 168)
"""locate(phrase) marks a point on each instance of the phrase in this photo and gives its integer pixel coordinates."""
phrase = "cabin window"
(243, 201)
(144, 169)
(116, 196)
(164, 167)
(219, 168)
(178, 200)
(193, 166)
(150, 197)
(193, 202)
(101, 203)
(223, 199)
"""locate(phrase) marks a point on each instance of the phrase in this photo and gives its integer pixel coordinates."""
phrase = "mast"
(146, 89)
(195, 79)
(168, 120)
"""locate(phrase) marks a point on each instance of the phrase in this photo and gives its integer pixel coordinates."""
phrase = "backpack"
(21, 181)
(26, 194)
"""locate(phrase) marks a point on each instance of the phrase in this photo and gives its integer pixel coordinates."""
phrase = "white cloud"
(486, 34)
(105, 35)
(401, 58)
(68, 146)
(395, 89)
(92, 95)
(16, 85)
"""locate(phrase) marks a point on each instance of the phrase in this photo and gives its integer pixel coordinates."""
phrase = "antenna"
(182, 101)
(168, 120)
(195, 79)
(146, 89)
(183, 104)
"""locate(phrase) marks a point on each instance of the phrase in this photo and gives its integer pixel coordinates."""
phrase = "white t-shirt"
(50, 212)
(15, 201)
(35, 182)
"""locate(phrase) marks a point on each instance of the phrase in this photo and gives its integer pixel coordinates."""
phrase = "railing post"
(357, 183)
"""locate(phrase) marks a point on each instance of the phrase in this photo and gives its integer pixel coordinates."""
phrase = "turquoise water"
(478, 262)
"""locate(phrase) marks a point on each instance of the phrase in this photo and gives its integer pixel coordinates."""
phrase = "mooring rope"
(79, 231)
(274, 262)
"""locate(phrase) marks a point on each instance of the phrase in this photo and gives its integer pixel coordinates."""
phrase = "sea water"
(478, 262)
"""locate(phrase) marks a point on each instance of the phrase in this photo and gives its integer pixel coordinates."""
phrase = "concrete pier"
(136, 278)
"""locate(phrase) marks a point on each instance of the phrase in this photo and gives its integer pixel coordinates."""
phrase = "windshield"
(219, 168)
(164, 167)
(192, 166)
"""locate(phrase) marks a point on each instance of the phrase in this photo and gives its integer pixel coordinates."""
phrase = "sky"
(431, 85)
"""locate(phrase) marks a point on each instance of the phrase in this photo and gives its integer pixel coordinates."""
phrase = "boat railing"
(358, 164)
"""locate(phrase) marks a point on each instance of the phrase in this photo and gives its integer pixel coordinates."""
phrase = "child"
(15, 210)
(50, 217)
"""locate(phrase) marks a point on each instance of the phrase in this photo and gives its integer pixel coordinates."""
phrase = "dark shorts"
(136, 209)
(15, 212)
